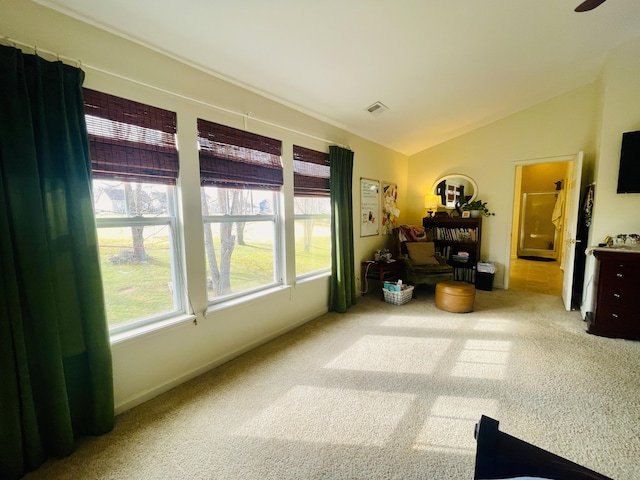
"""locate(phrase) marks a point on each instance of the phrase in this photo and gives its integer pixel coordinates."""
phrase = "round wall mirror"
(455, 188)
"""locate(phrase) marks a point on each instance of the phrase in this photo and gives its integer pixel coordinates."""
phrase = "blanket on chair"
(412, 233)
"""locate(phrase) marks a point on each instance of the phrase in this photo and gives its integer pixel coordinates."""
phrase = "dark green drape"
(342, 288)
(55, 359)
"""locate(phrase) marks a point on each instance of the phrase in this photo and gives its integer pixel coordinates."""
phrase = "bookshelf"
(455, 235)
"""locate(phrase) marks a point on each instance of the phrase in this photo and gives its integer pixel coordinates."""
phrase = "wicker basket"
(398, 298)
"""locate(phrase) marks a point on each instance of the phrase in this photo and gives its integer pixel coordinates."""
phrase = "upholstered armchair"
(421, 264)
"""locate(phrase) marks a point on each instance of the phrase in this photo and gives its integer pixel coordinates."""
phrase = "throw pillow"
(421, 253)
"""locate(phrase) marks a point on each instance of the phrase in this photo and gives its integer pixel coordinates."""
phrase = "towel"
(558, 210)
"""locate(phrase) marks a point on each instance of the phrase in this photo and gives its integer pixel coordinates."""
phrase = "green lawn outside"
(141, 289)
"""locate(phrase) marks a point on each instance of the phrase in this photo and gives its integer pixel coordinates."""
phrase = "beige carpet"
(387, 392)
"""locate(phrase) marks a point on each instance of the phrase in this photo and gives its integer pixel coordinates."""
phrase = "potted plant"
(477, 208)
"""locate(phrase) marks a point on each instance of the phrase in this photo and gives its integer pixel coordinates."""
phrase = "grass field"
(136, 290)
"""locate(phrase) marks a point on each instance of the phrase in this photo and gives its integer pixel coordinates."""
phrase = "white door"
(572, 201)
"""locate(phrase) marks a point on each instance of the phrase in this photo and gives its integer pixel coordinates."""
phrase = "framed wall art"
(369, 207)
(390, 212)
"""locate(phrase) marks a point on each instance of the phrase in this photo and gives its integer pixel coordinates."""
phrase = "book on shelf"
(460, 234)
(464, 274)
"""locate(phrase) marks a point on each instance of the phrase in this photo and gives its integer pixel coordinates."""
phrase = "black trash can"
(485, 271)
(484, 281)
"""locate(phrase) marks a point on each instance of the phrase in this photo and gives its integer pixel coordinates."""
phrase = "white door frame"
(518, 163)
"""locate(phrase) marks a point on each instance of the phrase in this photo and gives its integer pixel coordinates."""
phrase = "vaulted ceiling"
(442, 67)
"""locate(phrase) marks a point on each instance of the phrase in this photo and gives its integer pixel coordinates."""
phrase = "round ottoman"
(455, 297)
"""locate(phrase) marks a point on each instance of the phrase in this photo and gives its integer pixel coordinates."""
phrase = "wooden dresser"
(617, 294)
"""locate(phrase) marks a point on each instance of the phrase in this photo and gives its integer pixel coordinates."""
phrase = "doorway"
(537, 229)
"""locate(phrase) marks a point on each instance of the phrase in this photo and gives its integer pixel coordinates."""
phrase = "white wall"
(615, 213)
(558, 127)
(145, 366)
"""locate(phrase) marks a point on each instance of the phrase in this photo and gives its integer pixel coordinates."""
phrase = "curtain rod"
(245, 116)
(15, 43)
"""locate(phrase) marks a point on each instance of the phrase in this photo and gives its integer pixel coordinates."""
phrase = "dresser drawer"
(620, 272)
(617, 312)
(616, 321)
(619, 298)
(615, 329)
(607, 313)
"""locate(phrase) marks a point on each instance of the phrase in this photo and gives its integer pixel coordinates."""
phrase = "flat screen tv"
(629, 172)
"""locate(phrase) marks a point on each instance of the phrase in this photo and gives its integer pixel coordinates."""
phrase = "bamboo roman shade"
(310, 172)
(233, 158)
(130, 141)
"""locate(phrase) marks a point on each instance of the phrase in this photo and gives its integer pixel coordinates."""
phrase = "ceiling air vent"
(377, 109)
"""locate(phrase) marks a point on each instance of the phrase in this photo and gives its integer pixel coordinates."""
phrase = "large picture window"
(135, 166)
(312, 209)
(241, 178)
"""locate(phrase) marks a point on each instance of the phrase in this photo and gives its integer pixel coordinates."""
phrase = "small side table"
(380, 271)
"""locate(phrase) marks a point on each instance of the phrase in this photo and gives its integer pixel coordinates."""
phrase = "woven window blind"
(310, 173)
(233, 158)
(130, 141)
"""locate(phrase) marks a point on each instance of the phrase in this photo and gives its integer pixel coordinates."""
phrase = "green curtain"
(55, 359)
(342, 288)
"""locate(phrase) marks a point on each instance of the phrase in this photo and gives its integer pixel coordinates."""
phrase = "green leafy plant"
(478, 205)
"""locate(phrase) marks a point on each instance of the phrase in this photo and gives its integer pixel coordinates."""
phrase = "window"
(312, 208)
(135, 166)
(241, 179)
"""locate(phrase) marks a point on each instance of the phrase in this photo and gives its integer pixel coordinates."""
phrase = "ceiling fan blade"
(588, 5)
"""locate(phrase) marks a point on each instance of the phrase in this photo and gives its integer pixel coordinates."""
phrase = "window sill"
(244, 299)
(155, 327)
(313, 276)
